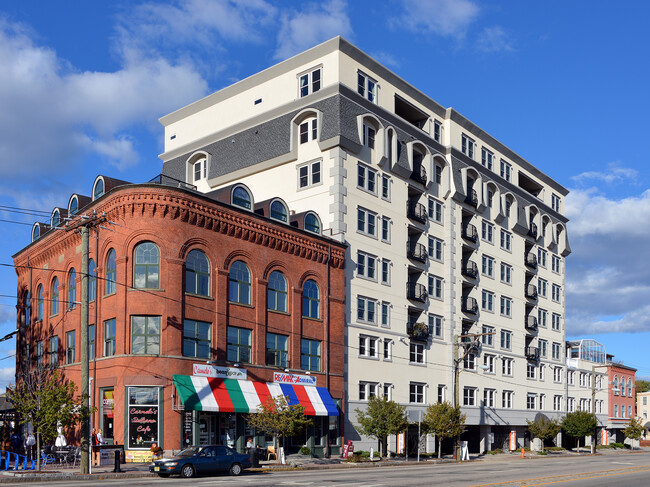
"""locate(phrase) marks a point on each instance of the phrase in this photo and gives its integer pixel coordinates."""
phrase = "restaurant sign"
(301, 380)
(206, 370)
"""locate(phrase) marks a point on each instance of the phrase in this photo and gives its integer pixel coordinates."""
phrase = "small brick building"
(192, 296)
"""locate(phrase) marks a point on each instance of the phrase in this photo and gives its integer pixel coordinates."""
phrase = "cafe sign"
(206, 370)
(300, 380)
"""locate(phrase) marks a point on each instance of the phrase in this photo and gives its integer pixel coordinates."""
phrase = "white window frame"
(542, 287)
(555, 202)
(469, 396)
(489, 397)
(487, 158)
(556, 322)
(435, 210)
(385, 271)
(367, 390)
(505, 306)
(310, 174)
(487, 301)
(310, 130)
(506, 273)
(488, 363)
(386, 224)
(435, 325)
(506, 240)
(368, 347)
(367, 222)
(542, 257)
(557, 375)
(467, 146)
(386, 183)
(506, 170)
(487, 231)
(387, 351)
(384, 317)
(369, 183)
(556, 263)
(417, 351)
(531, 401)
(487, 266)
(506, 399)
(556, 351)
(543, 348)
(507, 365)
(557, 403)
(437, 131)
(436, 287)
(435, 249)
(369, 136)
(368, 88)
(364, 268)
(310, 85)
(486, 339)
(417, 389)
(368, 310)
(505, 340)
(542, 317)
(556, 292)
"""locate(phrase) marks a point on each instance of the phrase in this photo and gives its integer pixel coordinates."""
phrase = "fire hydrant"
(523, 453)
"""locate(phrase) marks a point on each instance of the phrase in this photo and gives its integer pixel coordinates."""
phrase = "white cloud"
(608, 272)
(614, 174)
(53, 115)
(311, 26)
(448, 18)
(492, 39)
(386, 59)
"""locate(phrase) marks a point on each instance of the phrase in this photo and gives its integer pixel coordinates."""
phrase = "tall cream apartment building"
(456, 244)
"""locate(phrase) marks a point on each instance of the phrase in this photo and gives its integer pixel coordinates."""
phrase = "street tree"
(278, 418)
(443, 420)
(578, 424)
(544, 428)
(44, 399)
(380, 419)
(634, 430)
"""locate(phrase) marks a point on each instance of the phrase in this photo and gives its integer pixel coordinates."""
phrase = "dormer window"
(56, 218)
(200, 170)
(241, 198)
(36, 232)
(278, 211)
(312, 224)
(98, 191)
(369, 134)
(309, 82)
(74, 206)
(309, 130)
(437, 131)
(367, 87)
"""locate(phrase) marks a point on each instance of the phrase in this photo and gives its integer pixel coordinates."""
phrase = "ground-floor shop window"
(143, 416)
(106, 414)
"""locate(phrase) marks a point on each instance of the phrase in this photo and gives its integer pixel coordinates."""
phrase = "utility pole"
(84, 225)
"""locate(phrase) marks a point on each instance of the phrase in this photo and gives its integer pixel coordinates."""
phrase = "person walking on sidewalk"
(95, 447)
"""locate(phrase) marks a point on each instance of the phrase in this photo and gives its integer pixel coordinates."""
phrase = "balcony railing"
(416, 251)
(469, 305)
(531, 291)
(418, 331)
(532, 353)
(532, 231)
(416, 291)
(531, 323)
(469, 232)
(419, 174)
(470, 269)
(531, 260)
(416, 211)
(169, 181)
(472, 198)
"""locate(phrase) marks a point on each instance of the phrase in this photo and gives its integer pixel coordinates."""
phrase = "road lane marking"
(640, 468)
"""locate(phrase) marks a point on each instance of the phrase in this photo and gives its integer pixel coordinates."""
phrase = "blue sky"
(564, 84)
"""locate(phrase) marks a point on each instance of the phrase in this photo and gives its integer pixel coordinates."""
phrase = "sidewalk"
(301, 462)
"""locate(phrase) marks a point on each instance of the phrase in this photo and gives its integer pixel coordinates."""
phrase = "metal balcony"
(416, 291)
(532, 231)
(469, 305)
(472, 198)
(416, 211)
(469, 232)
(419, 174)
(531, 291)
(532, 353)
(531, 260)
(470, 269)
(531, 323)
(418, 331)
(416, 251)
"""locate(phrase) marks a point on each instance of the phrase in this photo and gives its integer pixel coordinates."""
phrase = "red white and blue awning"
(244, 396)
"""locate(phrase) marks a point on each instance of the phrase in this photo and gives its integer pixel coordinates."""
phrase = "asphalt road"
(606, 470)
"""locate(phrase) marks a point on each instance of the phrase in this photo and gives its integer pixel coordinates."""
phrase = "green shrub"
(617, 445)
(542, 452)
(555, 448)
(494, 452)
(305, 450)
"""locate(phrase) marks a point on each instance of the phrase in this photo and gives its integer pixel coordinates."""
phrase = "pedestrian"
(249, 443)
(100, 438)
(16, 441)
(29, 445)
(95, 447)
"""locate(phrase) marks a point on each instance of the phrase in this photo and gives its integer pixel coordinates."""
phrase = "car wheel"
(163, 475)
(187, 471)
(235, 469)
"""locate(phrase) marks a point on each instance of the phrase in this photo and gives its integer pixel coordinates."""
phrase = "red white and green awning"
(244, 396)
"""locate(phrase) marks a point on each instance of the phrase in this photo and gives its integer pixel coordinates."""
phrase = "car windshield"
(188, 452)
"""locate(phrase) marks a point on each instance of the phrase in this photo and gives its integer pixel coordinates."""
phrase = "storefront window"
(143, 417)
(107, 408)
(334, 436)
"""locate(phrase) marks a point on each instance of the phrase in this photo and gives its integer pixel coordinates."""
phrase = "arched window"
(629, 387)
(146, 268)
(72, 290)
(239, 283)
(56, 218)
(277, 292)
(311, 300)
(197, 273)
(240, 197)
(278, 211)
(54, 297)
(39, 303)
(92, 280)
(99, 189)
(616, 385)
(312, 224)
(111, 272)
(200, 169)
(36, 232)
(28, 308)
(74, 206)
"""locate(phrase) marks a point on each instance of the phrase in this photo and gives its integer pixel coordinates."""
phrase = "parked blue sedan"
(202, 460)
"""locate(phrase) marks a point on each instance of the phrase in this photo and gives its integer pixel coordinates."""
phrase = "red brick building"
(621, 398)
(187, 288)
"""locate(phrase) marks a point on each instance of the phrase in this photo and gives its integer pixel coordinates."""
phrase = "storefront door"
(227, 429)
(207, 429)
